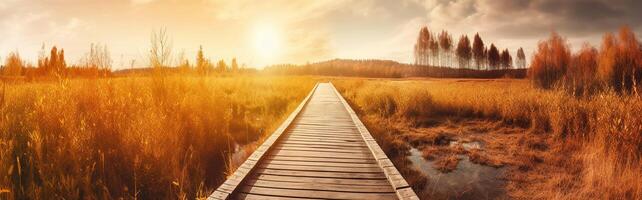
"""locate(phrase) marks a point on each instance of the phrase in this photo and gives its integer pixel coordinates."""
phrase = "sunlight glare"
(267, 41)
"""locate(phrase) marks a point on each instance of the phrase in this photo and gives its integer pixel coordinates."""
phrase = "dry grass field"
(176, 137)
(552, 145)
(470, 100)
(136, 137)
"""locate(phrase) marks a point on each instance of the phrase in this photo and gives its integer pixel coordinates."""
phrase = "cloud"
(521, 23)
(528, 18)
(313, 30)
(288, 10)
(137, 2)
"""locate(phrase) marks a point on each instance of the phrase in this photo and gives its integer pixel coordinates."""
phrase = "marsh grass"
(135, 138)
(594, 144)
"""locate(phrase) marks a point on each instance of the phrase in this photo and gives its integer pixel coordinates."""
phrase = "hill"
(387, 69)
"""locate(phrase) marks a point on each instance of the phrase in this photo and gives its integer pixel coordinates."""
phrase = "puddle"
(468, 145)
(468, 181)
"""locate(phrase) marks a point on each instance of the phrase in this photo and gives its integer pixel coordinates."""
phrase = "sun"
(267, 41)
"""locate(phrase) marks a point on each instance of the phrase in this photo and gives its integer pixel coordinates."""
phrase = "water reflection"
(468, 181)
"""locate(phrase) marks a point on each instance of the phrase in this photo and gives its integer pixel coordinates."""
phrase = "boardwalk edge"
(231, 184)
(397, 181)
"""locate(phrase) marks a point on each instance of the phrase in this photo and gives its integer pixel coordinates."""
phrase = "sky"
(265, 32)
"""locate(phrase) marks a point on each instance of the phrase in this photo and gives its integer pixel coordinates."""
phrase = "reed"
(595, 140)
(151, 138)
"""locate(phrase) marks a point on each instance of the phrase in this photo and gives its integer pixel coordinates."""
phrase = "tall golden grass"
(596, 139)
(149, 138)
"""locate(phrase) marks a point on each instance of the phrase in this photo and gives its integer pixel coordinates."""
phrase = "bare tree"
(478, 51)
(181, 62)
(160, 53)
(221, 66)
(493, 57)
(446, 44)
(620, 60)
(581, 72)
(422, 49)
(550, 61)
(463, 52)
(234, 65)
(202, 64)
(433, 45)
(506, 60)
(98, 57)
(521, 58)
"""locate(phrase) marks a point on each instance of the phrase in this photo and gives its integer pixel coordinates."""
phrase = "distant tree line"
(386, 69)
(616, 65)
(436, 55)
(97, 62)
(53, 64)
(439, 50)
(161, 57)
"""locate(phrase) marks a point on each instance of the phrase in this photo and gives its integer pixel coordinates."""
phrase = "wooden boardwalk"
(322, 151)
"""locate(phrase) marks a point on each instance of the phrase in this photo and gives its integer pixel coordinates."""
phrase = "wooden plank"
(346, 175)
(336, 181)
(317, 159)
(407, 194)
(320, 186)
(265, 197)
(333, 164)
(317, 154)
(324, 129)
(324, 138)
(323, 146)
(330, 126)
(325, 135)
(324, 143)
(316, 194)
(327, 140)
(337, 132)
(321, 149)
(320, 168)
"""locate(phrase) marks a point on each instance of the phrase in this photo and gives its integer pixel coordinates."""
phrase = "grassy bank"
(588, 147)
(150, 138)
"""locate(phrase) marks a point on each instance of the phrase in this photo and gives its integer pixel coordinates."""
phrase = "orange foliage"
(618, 64)
(580, 75)
(550, 61)
(620, 60)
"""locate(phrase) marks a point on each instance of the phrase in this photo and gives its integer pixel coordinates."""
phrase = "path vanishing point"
(321, 151)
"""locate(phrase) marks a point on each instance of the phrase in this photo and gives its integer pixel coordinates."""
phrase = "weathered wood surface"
(322, 151)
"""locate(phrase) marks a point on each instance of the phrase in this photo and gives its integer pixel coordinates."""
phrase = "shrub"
(620, 64)
(550, 61)
(580, 76)
(13, 65)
